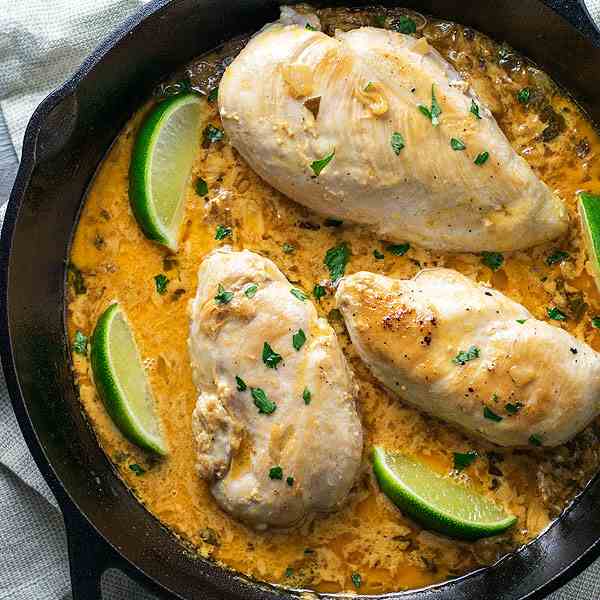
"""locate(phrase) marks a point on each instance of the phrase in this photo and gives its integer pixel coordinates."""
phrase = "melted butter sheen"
(369, 536)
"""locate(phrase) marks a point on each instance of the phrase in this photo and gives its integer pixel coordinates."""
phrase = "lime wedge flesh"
(122, 383)
(436, 501)
(161, 163)
(589, 211)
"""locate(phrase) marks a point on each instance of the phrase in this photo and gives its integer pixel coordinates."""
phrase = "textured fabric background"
(41, 43)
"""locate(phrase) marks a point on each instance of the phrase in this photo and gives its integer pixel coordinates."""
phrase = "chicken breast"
(359, 102)
(471, 356)
(277, 429)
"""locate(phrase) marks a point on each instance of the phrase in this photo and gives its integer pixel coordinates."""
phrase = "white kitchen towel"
(41, 43)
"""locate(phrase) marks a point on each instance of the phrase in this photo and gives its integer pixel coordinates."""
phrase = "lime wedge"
(161, 163)
(122, 383)
(589, 211)
(435, 501)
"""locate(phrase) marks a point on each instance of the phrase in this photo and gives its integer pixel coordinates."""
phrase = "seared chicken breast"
(376, 127)
(277, 429)
(471, 356)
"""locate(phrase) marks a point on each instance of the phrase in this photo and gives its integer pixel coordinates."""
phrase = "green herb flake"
(397, 142)
(161, 281)
(270, 357)
(493, 260)
(223, 296)
(435, 110)
(319, 291)
(241, 384)
(306, 396)
(596, 322)
(398, 249)
(288, 248)
(75, 277)
(222, 232)
(481, 158)
(356, 580)
(212, 134)
(557, 257)
(318, 165)
(336, 259)
(298, 294)
(333, 223)
(463, 357)
(80, 343)
(556, 314)
(464, 460)
(404, 24)
(524, 95)
(368, 87)
(298, 339)
(491, 415)
(513, 408)
(201, 187)
(521, 321)
(290, 480)
(262, 402)
(276, 472)
(251, 290)
(474, 110)
(378, 255)
(310, 27)
(457, 144)
(379, 20)
(535, 439)
(213, 95)
(137, 469)
(289, 572)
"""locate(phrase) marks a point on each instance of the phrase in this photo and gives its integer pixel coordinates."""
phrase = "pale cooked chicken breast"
(459, 351)
(294, 96)
(313, 432)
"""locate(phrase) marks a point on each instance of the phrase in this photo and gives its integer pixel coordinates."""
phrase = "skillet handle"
(89, 557)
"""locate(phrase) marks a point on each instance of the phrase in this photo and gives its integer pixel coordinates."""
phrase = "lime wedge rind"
(113, 394)
(589, 212)
(153, 137)
(433, 515)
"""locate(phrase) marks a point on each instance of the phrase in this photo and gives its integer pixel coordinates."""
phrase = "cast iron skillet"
(66, 139)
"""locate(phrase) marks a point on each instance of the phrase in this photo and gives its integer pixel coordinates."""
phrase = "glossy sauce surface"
(369, 536)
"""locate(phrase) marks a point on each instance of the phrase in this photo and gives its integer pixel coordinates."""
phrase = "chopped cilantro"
(223, 297)
(306, 396)
(222, 232)
(289, 572)
(213, 95)
(356, 580)
(262, 402)
(298, 339)
(521, 321)
(464, 460)
(398, 249)
(137, 469)
(212, 134)
(524, 95)
(319, 291)
(491, 415)
(404, 24)
(596, 322)
(433, 113)
(379, 20)
(241, 384)
(457, 144)
(276, 472)
(270, 357)
(556, 314)
(298, 294)
(464, 357)
(201, 187)
(378, 255)
(288, 248)
(513, 409)
(368, 87)
(493, 260)
(80, 342)
(251, 290)
(333, 223)
(161, 281)
(557, 257)
(290, 480)
(397, 142)
(75, 277)
(336, 259)
(535, 439)
(318, 165)
(310, 27)
(474, 110)
(481, 158)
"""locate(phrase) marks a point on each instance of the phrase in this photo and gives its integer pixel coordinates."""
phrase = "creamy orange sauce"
(369, 535)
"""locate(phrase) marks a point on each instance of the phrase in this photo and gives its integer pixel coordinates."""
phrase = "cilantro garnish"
(464, 460)
(524, 95)
(336, 260)
(276, 472)
(318, 165)
(491, 415)
(457, 144)
(556, 314)
(223, 297)
(378, 255)
(398, 249)
(474, 110)
(80, 342)
(464, 357)
(557, 257)
(298, 294)
(212, 134)
(137, 469)
(433, 113)
(481, 158)
(397, 142)
(319, 291)
(161, 281)
(222, 232)
(270, 357)
(298, 339)
(201, 187)
(262, 402)
(404, 24)
(251, 290)
(241, 384)
(493, 260)
(306, 396)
